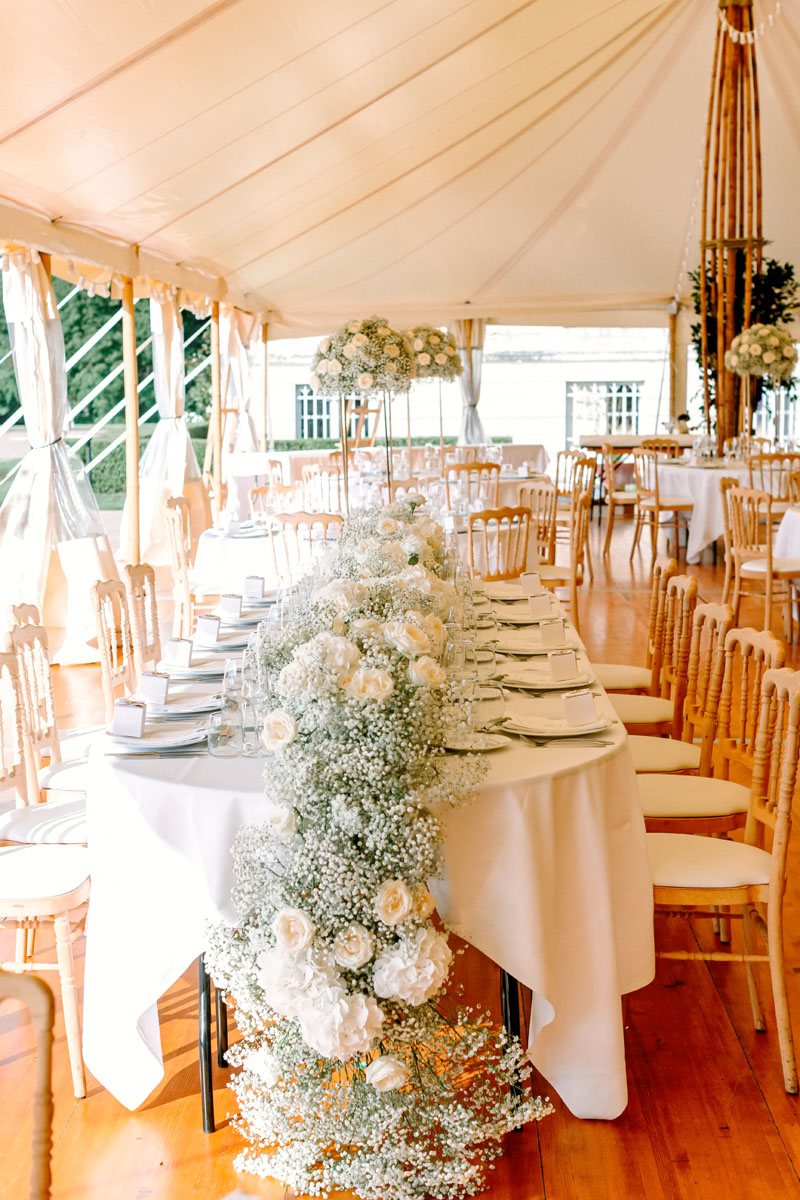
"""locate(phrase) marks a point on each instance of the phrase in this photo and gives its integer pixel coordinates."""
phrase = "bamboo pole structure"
(732, 242)
(216, 410)
(131, 377)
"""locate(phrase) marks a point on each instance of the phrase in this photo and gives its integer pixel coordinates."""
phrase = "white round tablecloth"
(224, 560)
(787, 539)
(700, 484)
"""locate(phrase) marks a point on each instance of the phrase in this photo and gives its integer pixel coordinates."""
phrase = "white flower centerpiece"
(766, 350)
(435, 357)
(358, 1071)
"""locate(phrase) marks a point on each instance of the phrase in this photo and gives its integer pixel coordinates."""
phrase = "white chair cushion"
(672, 502)
(758, 566)
(619, 677)
(76, 743)
(684, 860)
(690, 796)
(34, 872)
(662, 754)
(59, 822)
(642, 710)
(66, 776)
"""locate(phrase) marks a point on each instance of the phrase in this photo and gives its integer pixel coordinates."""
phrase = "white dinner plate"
(225, 644)
(531, 645)
(534, 682)
(252, 613)
(556, 727)
(475, 742)
(504, 591)
(203, 666)
(160, 737)
(508, 616)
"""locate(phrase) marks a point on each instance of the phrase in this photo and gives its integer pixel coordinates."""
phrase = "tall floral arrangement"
(358, 1071)
(435, 353)
(363, 356)
(763, 350)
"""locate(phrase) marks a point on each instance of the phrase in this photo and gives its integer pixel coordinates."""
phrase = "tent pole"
(266, 439)
(216, 408)
(131, 375)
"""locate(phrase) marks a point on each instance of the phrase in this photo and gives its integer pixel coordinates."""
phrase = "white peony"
(369, 683)
(282, 820)
(386, 526)
(344, 594)
(288, 981)
(280, 728)
(414, 968)
(415, 498)
(387, 1073)
(353, 947)
(426, 672)
(265, 1065)
(394, 902)
(293, 929)
(338, 653)
(339, 1025)
(408, 639)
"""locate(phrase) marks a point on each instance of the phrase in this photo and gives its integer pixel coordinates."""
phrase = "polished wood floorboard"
(707, 1118)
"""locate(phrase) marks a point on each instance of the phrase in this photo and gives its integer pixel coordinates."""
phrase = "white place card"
(579, 707)
(553, 632)
(522, 470)
(563, 664)
(231, 606)
(531, 583)
(540, 605)
(231, 525)
(154, 687)
(207, 629)
(178, 651)
(128, 719)
(254, 587)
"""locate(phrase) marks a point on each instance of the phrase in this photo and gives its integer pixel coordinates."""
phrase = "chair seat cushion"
(61, 821)
(780, 566)
(65, 776)
(663, 754)
(688, 796)
(642, 710)
(672, 502)
(684, 860)
(34, 872)
(620, 677)
(624, 497)
(76, 743)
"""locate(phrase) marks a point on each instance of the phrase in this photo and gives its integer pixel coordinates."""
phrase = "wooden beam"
(216, 408)
(131, 376)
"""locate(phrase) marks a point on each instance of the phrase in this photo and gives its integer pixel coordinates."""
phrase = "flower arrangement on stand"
(766, 350)
(435, 357)
(358, 1071)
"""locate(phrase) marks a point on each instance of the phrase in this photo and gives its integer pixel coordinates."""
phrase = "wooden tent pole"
(266, 439)
(131, 376)
(216, 409)
(673, 361)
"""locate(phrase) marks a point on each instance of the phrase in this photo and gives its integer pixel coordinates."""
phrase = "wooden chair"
(725, 484)
(772, 472)
(572, 574)
(669, 447)
(794, 487)
(567, 462)
(176, 516)
(23, 614)
(614, 499)
(259, 500)
(650, 503)
(622, 677)
(540, 497)
(756, 571)
(398, 488)
(477, 480)
(580, 470)
(498, 542)
(694, 876)
(115, 639)
(140, 588)
(294, 543)
(38, 999)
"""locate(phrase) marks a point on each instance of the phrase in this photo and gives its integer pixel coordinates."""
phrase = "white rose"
(424, 903)
(419, 344)
(340, 654)
(365, 380)
(423, 359)
(434, 339)
(324, 345)
(774, 341)
(369, 684)
(441, 359)
(394, 902)
(350, 350)
(415, 498)
(426, 672)
(280, 728)
(293, 929)
(322, 367)
(315, 383)
(339, 1025)
(342, 593)
(435, 630)
(334, 366)
(769, 357)
(354, 327)
(408, 639)
(450, 351)
(387, 1073)
(755, 350)
(387, 526)
(414, 968)
(734, 359)
(392, 351)
(282, 820)
(265, 1065)
(788, 352)
(360, 339)
(353, 947)
(366, 627)
(383, 331)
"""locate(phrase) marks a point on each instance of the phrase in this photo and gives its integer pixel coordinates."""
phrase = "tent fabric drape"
(469, 336)
(241, 372)
(52, 542)
(168, 466)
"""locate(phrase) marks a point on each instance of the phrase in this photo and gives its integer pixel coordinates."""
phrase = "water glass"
(489, 707)
(225, 738)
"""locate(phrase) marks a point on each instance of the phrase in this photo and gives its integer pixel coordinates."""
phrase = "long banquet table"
(545, 871)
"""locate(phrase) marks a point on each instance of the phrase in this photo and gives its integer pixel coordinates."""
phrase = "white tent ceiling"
(527, 160)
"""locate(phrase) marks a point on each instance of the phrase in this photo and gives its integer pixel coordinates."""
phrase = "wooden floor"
(707, 1118)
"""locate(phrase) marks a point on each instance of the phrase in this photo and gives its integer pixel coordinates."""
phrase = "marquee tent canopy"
(524, 160)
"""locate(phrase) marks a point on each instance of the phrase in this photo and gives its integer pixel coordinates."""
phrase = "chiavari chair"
(498, 542)
(756, 570)
(572, 574)
(177, 518)
(140, 588)
(115, 639)
(540, 497)
(725, 484)
(298, 537)
(622, 677)
(23, 614)
(650, 503)
(397, 489)
(475, 481)
(614, 498)
(669, 447)
(772, 472)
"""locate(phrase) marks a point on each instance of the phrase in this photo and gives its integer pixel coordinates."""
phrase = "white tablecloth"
(700, 484)
(224, 560)
(787, 539)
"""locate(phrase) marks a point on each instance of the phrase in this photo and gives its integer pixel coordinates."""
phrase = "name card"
(254, 587)
(522, 470)
(553, 632)
(231, 525)
(579, 707)
(128, 720)
(531, 583)
(231, 606)
(154, 687)
(179, 652)
(540, 605)
(563, 664)
(207, 629)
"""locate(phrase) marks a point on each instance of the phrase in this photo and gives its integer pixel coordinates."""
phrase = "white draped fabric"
(169, 464)
(52, 543)
(241, 366)
(469, 339)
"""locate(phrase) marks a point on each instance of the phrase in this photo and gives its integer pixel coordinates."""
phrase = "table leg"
(204, 1045)
(222, 1028)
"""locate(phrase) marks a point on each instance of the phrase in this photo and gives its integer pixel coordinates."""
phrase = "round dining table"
(700, 482)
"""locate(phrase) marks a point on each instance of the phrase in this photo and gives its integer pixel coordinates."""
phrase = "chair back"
(663, 571)
(775, 769)
(772, 473)
(38, 999)
(710, 626)
(179, 536)
(17, 767)
(473, 481)
(498, 542)
(260, 500)
(398, 488)
(140, 587)
(645, 469)
(23, 614)
(114, 638)
(670, 447)
(680, 607)
(540, 497)
(29, 645)
(275, 470)
(725, 484)
(794, 487)
(566, 465)
(751, 524)
(610, 472)
(297, 538)
(748, 655)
